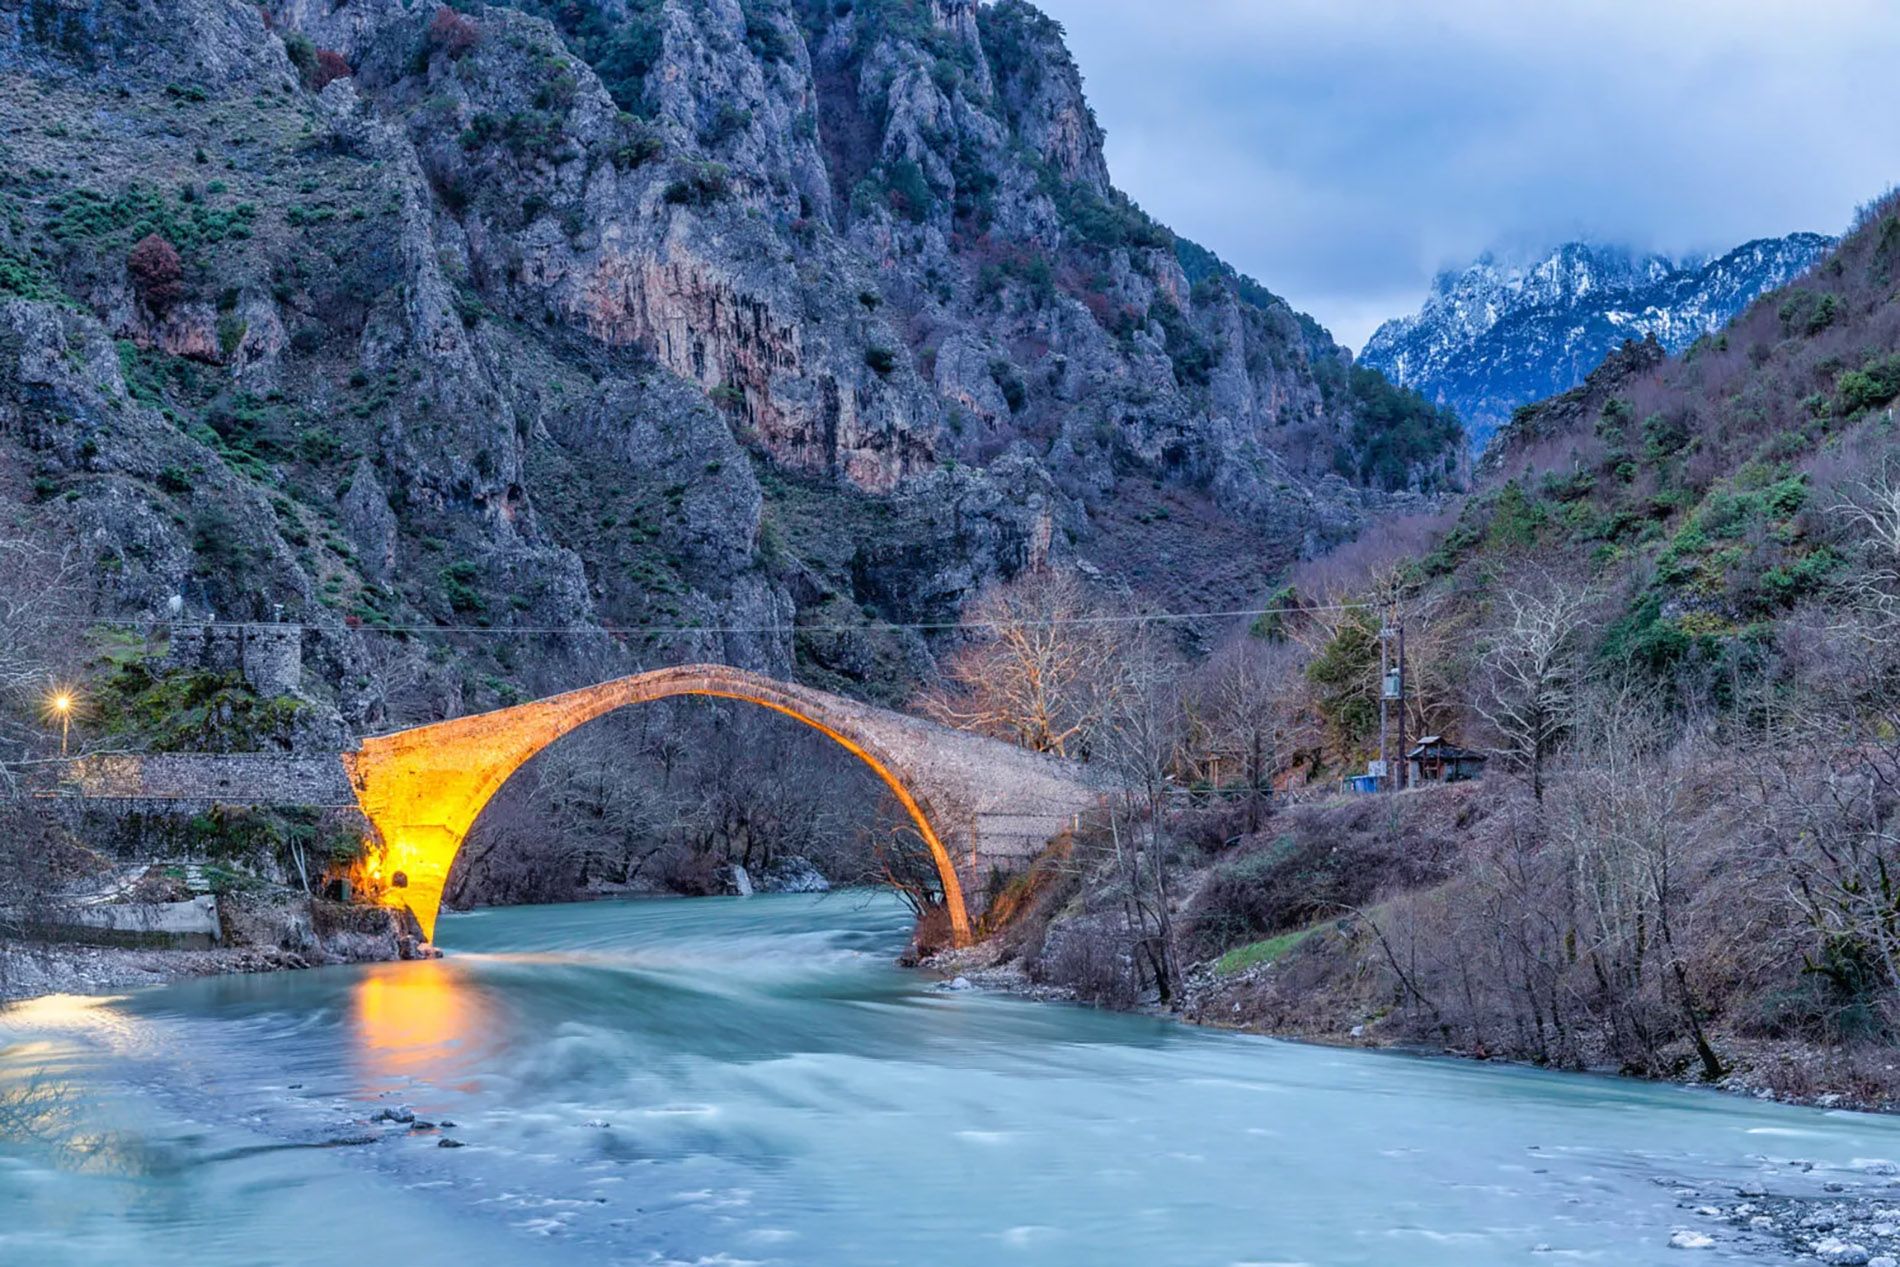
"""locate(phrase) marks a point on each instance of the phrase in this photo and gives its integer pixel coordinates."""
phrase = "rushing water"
(728, 1081)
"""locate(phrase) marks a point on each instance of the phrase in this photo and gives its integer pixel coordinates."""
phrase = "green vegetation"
(529, 135)
(1194, 358)
(699, 185)
(458, 586)
(1202, 265)
(190, 711)
(1873, 385)
(1108, 223)
(762, 35)
(637, 144)
(728, 121)
(1398, 437)
(22, 278)
(621, 49)
(138, 211)
(1806, 313)
(1241, 958)
(1018, 39)
(1339, 674)
(907, 192)
(1010, 383)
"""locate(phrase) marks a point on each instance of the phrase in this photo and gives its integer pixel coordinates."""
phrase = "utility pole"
(1391, 696)
(1385, 704)
(1404, 764)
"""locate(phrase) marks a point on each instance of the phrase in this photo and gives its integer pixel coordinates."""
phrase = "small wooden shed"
(1436, 761)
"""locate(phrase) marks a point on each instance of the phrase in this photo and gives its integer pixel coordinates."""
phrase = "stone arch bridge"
(976, 802)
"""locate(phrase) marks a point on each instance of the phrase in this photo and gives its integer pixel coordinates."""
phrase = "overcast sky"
(1342, 151)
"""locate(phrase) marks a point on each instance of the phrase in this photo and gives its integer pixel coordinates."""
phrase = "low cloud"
(1344, 153)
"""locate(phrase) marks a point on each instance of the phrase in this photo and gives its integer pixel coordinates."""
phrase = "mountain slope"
(1497, 336)
(1668, 616)
(696, 316)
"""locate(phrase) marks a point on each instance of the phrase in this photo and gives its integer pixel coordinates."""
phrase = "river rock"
(450, 1143)
(1686, 1239)
(1841, 1253)
(793, 875)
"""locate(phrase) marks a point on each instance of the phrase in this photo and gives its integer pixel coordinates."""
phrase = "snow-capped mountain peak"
(1499, 334)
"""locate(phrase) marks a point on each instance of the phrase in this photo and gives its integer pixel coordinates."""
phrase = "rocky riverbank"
(1849, 1219)
(1786, 1072)
(260, 934)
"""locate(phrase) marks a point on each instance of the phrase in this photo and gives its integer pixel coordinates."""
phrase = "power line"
(1134, 618)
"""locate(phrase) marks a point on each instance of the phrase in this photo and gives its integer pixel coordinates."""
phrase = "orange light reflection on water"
(418, 1021)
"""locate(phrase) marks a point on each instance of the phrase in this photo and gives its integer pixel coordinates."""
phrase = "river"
(730, 1081)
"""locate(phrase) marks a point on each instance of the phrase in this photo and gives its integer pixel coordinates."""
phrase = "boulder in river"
(792, 874)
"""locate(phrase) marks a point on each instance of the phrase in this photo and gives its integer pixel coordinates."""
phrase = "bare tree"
(395, 672)
(1626, 828)
(1871, 515)
(1532, 664)
(1244, 709)
(1032, 670)
(42, 597)
(1139, 740)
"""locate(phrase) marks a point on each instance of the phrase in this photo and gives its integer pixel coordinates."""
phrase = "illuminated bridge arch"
(977, 803)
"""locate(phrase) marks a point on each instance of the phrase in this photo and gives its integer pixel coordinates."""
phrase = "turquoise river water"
(726, 1082)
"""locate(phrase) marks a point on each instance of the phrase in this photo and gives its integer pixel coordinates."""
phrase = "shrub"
(21, 276)
(302, 54)
(1806, 313)
(767, 42)
(329, 68)
(452, 33)
(621, 41)
(157, 274)
(883, 360)
(1194, 359)
(728, 121)
(1112, 222)
(458, 584)
(637, 144)
(699, 185)
(907, 192)
(1873, 384)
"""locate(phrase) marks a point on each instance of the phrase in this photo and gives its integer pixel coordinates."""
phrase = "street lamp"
(61, 706)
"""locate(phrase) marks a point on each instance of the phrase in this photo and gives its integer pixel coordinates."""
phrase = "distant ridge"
(1496, 335)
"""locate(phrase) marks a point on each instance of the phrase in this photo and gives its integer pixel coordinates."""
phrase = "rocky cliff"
(1497, 335)
(678, 324)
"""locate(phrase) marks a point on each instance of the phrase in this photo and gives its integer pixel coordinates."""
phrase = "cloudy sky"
(1343, 151)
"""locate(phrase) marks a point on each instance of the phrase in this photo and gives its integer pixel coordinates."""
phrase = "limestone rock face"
(669, 324)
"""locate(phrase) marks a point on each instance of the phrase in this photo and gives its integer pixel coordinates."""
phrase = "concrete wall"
(184, 925)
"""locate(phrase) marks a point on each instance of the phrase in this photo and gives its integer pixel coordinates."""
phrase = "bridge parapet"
(242, 778)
